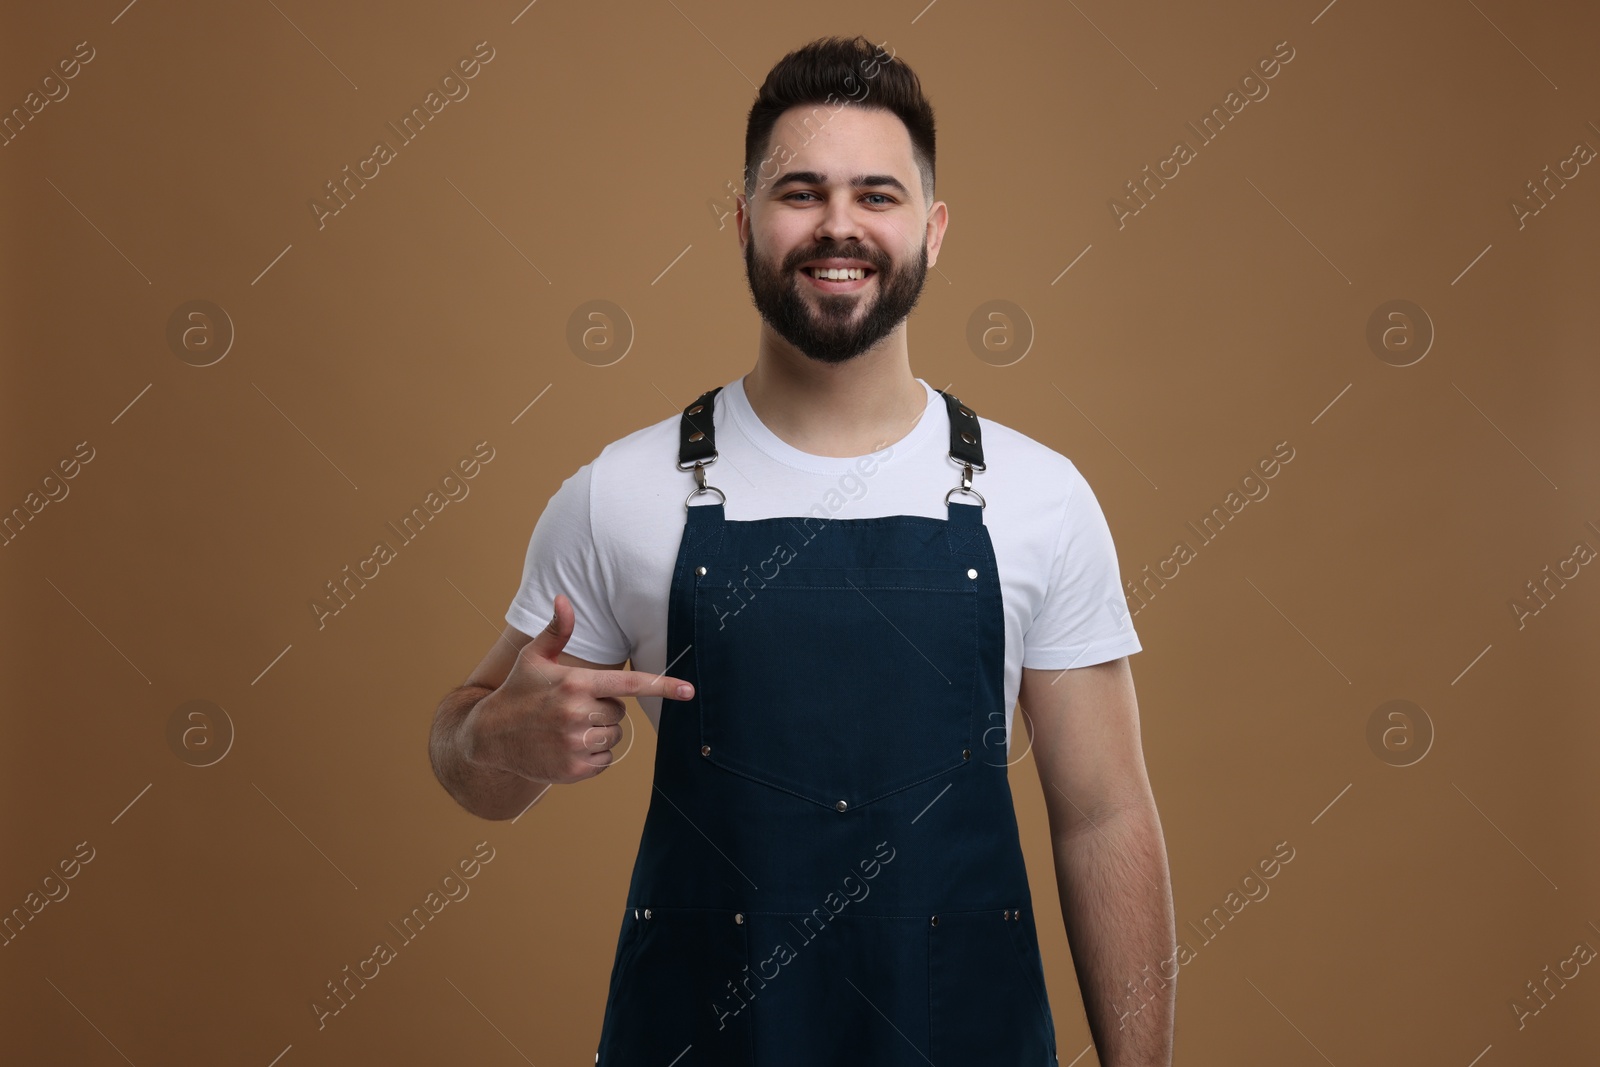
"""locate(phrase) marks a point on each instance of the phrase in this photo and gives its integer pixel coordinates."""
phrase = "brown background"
(373, 353)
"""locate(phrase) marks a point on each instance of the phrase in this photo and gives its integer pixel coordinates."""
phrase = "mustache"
(838, 253)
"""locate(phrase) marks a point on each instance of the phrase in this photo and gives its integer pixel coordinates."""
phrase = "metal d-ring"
(700, 482)
(966, 486)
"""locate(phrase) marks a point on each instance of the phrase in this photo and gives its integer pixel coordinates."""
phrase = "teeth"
(836, 274)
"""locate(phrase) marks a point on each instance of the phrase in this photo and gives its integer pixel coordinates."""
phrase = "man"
(830, 870)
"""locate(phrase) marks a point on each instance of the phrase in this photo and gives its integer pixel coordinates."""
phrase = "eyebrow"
(860, 181)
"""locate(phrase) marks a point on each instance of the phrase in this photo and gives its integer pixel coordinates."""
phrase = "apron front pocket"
(670, 989)
(985, 1006)
(839, 685)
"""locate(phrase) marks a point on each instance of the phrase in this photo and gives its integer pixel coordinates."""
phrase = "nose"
(839, 221)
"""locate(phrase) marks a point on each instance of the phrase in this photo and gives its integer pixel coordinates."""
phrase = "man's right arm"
(485, 791)
(530, 716)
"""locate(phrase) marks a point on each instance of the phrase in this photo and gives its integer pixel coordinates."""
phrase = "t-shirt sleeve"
(1084, 618)
(562, 557)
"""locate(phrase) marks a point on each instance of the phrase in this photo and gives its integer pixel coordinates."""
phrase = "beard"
(830, 327)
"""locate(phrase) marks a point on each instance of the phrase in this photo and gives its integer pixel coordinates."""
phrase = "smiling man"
(830, 870)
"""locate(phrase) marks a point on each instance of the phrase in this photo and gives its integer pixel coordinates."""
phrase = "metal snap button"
(841, 805)
(647, 913)
(966, 753)
(972, 572)
(933, 920)
(635, 913)
(705, 750)
(701, 571)
(738, 917)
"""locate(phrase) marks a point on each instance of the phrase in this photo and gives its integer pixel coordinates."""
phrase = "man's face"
(805, 211)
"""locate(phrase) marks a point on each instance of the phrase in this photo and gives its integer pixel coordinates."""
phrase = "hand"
(554, 722)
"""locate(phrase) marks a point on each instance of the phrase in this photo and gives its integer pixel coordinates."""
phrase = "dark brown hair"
(832, 72)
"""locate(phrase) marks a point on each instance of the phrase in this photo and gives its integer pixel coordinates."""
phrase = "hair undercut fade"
(830, 73)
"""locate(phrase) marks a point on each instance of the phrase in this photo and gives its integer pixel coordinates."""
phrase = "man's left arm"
(1110, 856)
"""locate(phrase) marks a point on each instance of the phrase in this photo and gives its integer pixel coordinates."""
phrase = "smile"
(838, 280)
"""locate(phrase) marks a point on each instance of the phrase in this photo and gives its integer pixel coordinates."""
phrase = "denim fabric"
(830, 871)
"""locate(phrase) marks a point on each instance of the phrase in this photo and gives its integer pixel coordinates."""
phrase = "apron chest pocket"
(839, 685)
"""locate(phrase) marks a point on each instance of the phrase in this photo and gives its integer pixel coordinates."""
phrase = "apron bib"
(830, 871)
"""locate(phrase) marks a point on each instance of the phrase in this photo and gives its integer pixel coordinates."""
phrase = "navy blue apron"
(830, 871)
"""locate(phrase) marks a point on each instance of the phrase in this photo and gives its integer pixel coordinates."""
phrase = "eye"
(883, 196)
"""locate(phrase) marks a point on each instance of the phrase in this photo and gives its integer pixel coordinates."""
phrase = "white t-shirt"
(610, 535)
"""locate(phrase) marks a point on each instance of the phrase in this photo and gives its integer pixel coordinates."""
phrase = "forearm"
(486, 792)
(1116, 903)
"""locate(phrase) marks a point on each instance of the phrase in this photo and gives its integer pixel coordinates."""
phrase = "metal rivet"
(933, 920)
(697, 409)
(966, 753)
(635, 913)
(965, 411)
(841, 805)
(705, 750)
(701, 571)
(972, 572)
(647, 913)
(697, 436)
(965, 436)
(738, 917)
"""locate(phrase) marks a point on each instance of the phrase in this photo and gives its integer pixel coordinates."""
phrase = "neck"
(840, 409)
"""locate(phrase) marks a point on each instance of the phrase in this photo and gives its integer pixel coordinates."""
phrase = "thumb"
(548, 642)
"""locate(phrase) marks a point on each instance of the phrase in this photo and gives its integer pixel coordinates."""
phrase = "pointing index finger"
(640, 683)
